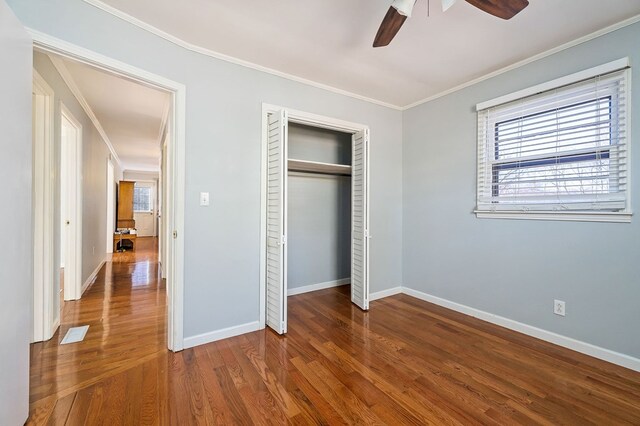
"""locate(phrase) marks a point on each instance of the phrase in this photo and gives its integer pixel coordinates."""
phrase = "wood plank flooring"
(404, 362)
(125, 310)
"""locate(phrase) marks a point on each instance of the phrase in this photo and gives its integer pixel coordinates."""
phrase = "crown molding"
(201, 50)
(568, 45)
(145, 170)
(77, 93)
(207, 52)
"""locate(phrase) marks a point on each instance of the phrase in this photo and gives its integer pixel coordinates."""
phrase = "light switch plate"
(204, 198)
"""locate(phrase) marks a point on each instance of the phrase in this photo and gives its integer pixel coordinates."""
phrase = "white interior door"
(71, 206)
(276, 309)
(144, 210)
(360, 220)
(16, 252)
(64, 213)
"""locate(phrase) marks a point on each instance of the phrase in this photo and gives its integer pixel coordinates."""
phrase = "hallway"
(125, 309)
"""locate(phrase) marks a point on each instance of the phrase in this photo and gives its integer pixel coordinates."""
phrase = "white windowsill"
(615, 217)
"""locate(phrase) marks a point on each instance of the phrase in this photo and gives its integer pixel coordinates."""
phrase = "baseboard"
(161, 269)
(319, 286)
(212, 336)
(54, 327)
(385, 293)
(557, 339)
(92, 277)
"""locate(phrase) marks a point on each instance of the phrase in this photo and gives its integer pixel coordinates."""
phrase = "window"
(142, 199)
(559, 150)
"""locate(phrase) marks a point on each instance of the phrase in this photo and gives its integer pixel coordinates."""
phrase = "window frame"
(623, 215)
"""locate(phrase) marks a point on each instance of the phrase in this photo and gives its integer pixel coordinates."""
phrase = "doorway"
(145, 207)
(173, 175)
(275, 238)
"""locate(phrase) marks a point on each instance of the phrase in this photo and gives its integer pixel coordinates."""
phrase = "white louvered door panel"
(360, 220)
(276, 308)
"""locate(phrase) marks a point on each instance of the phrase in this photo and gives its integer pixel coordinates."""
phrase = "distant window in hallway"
(142, 199)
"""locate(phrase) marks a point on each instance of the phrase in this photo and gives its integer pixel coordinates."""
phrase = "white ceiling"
(131, 114)
(329, 41)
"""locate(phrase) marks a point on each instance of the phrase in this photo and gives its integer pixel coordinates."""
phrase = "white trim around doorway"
(45, 317)
(174, 213)
(111, 205)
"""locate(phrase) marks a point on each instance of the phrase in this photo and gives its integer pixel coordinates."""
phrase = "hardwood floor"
(404, 362)
(125, 310)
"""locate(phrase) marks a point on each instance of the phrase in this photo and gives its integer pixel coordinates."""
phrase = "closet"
(316, 211)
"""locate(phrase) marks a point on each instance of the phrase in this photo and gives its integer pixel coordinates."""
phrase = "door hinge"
(283, 240)
(175, 234)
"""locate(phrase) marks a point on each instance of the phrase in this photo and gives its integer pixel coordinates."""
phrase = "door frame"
(175, 173)
(111, 205)
(155, 196)
(298, 117)
(45, 319)
(73, 245)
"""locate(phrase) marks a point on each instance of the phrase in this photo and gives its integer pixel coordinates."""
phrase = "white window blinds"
(560, 150)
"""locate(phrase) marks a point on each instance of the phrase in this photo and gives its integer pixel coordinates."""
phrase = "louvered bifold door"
(360, 220)
(276, 222)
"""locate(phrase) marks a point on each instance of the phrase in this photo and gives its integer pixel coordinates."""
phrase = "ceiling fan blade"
(505, 9)
(389, 27)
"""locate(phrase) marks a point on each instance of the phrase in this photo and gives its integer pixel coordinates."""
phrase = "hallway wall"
(94, 174)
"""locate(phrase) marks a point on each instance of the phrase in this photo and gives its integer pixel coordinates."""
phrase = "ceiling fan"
(400, 10)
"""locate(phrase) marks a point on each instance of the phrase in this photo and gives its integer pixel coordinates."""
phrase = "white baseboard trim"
(92, 277)
(319, 286)
(385, 293)
(548, 336)
(212, 336)
(54, 328)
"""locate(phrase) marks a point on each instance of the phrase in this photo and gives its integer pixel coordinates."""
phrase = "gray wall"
(319, 210)
(16, 255)
(94, 175)
(315, 144)
(223, 128)
(516, 268)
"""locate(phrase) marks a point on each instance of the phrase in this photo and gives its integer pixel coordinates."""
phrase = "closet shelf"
(318, 167)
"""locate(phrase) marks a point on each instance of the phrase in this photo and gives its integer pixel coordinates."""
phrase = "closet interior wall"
(319, 209)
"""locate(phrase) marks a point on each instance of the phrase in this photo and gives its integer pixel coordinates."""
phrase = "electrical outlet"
(558, 307)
